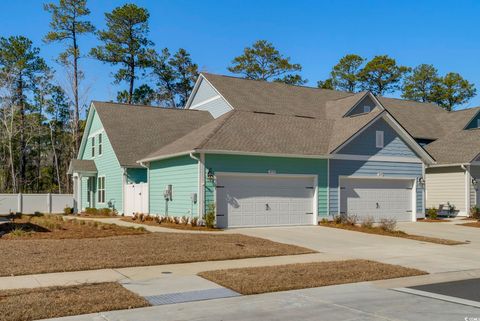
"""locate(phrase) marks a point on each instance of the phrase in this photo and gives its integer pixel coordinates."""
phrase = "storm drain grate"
(190, 296)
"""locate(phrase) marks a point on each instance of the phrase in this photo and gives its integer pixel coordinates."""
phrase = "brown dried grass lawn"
(30, 256)
(471, 224)
(306, 275)
(56, 227)
(379, 231)
(52, 302)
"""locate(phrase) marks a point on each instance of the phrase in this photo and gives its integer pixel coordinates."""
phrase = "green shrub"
(210, 216)
(68, 210)
(432, 213)
(475, 213)
(91, 211)
(367, 222)
(324, 220)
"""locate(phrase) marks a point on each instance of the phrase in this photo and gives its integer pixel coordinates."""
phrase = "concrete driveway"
(343, 244)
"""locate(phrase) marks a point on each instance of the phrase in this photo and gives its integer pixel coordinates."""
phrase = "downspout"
(200, 185)
(467, 188)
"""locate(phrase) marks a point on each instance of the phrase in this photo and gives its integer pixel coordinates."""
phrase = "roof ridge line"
(147, 106)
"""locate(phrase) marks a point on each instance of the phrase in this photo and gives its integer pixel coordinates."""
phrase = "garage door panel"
(379, 198)
(264, 201)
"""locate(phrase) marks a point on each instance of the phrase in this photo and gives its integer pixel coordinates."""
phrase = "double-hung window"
(93, 146)
(100, 144)
(101, 189)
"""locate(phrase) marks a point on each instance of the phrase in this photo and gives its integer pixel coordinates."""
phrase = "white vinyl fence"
(31, 203)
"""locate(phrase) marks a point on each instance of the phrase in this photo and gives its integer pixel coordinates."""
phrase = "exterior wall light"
(421, 181)
(475, 183)
(210, 175)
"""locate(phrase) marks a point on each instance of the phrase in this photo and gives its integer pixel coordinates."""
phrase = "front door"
(91, 192)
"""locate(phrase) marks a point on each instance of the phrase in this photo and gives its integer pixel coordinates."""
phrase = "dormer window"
(478, 123)
(367, 109)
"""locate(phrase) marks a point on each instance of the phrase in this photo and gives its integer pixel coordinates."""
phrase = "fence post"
(20, 203)
(49, 203)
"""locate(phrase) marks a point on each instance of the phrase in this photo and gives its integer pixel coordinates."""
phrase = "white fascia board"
(408, 138)
(194, 91)
(87, 126)
(156, 158)
(377, 158)
(372, 96)
(448, 165)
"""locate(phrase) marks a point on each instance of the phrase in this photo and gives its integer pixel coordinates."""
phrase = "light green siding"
(136, 175)
(256, 164)
(107, 165)
(182, 173)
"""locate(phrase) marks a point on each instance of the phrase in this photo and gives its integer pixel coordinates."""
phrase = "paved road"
(464, 289)
(362, 301)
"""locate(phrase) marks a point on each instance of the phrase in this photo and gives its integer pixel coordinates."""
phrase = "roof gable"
(364, 105)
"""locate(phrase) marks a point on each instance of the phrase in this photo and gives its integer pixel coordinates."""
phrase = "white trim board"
(377, 158)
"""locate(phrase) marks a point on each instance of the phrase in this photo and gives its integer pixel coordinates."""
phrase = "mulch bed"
(379, 231)
(171, 225)
(53, 302)
(433, 220)
(306, 275)
(472, 224)
(55, 227)
(30, 256)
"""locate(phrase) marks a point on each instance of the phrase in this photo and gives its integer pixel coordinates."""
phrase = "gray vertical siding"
(365, 143)
(372, 169)
(367, 101)
(216, 107)
(474, 122)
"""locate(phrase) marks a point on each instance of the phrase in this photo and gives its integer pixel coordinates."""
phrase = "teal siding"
(182, 173)
(107, 165)
(257, 164)
(370, 168)
(474, 122)
(365, 143)
(136, 175)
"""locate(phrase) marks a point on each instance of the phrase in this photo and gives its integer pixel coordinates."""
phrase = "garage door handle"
(267, 207)
(378, 205)
(309, 213)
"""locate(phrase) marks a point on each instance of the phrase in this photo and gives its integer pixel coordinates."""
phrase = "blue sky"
(315, 34)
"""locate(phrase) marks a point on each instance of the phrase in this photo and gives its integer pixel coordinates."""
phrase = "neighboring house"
(284, 155)
(265, 154)
(106, 172)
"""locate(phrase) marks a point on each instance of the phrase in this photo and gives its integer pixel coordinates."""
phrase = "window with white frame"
(99, 144)
(379, 141)
(93, 146)
(366, 109)
(101, 189)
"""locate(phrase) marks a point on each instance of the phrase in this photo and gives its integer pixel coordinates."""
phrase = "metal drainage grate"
(190, 296)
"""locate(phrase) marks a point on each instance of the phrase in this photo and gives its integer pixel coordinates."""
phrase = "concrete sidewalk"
(359, 301)
(149, 272)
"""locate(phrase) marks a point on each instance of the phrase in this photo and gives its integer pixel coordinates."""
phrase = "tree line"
(41, 126)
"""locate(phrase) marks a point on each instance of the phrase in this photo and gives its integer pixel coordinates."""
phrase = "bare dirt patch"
(379, 231)
(306, 275)
(171, 225)
(27, 256)
(55, 227)
(52, 302)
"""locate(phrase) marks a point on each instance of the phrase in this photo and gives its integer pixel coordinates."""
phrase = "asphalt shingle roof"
(135, 131)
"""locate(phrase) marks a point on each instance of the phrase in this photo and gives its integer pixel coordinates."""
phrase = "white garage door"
(379, 198)
(246, 201)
